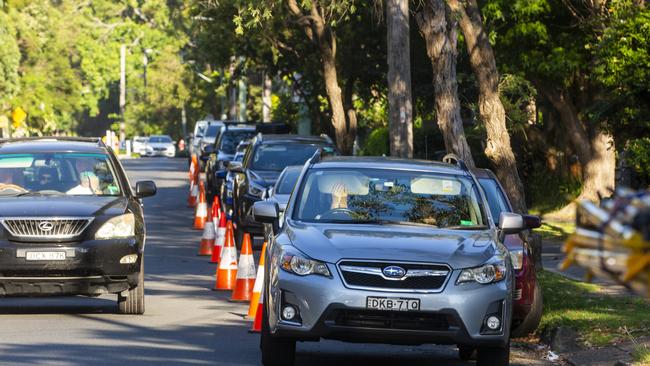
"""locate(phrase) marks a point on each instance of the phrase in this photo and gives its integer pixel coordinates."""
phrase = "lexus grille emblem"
(46, 226)
(394, 272)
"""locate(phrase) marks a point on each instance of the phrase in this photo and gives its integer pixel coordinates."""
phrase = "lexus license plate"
(392, 303)
(45, 256)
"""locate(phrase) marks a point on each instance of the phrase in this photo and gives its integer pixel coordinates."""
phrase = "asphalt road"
(185, 322)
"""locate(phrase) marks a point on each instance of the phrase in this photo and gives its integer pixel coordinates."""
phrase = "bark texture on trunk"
(498, 148)
(400, 105)
(596, 153)
(440, 31)
(321, 33)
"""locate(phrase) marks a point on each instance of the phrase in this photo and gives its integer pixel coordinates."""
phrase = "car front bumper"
(91, 267)
(169, 154)
(328, 309)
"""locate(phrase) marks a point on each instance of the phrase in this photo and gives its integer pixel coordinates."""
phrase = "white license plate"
(45, 256)
(392, 303)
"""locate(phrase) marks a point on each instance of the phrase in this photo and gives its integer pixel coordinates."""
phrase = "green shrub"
(377, 143)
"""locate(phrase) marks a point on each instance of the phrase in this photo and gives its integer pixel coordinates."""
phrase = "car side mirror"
(532, 221)
(145, 188)
(235, 166)
(511, 223)
(265, 212)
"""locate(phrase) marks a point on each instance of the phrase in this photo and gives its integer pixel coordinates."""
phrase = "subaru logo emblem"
(394, 272)
(46, 226)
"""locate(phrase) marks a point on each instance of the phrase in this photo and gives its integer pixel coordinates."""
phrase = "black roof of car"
(292, 138)
(381, 162)
(52, 144)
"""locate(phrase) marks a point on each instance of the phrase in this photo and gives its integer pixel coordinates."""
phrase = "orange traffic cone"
(227, 271)
(257, 323)
(216, 209)
(257, 288)
(220, 239)
(201, 214)
(194, 194)
(208, 239)
(245, 273)
(192, 169)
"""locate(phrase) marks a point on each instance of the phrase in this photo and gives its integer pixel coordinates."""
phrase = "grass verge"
(600, 319)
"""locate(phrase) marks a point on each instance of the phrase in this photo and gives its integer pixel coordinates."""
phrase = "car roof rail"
(316, 157)
(454, 159)
(327, 138)
(96, 140)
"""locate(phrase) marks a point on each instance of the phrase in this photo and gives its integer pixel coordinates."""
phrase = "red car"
(528, 302)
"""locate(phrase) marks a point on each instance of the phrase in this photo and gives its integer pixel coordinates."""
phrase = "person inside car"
(339, 196)
(88, 184)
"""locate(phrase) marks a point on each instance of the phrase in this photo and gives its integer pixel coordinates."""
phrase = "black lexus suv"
(70, 223)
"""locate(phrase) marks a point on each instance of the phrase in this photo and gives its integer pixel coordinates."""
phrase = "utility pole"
(267, 84)
(243, 92)
(145, 62)
(122, 92)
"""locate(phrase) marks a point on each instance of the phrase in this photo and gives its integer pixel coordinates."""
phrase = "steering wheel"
(12, 187)
(336, 213)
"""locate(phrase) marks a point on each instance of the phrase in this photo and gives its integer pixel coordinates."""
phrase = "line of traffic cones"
(245, 273)
(226, 274)
(201, 213)
(257, 287)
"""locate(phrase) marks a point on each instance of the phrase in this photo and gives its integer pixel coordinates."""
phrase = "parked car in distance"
(195, 138)
(139, 144)
(222, 152)
(387, 250)
(281, 191)
(70, 224)
(209, 137)
(263, 162)
(160, 145)
(528, 302)
(229, 182)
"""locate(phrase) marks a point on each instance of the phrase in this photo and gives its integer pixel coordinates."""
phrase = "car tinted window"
(58, 173)
(358, 195)
(496, 199)
(279, 156)
(287, 181)
(231, 139)
(212, 131)
(160, 139)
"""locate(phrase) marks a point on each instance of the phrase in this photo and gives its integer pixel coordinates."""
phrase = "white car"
(139, 144)
(160, 145)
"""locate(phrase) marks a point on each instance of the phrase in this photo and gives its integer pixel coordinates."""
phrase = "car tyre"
(466, 353)
(132, 301)
(534, 316)
(275, 351)
(493, 356)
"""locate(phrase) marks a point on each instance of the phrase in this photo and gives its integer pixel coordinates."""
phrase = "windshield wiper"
(466, 227)
(40, 193)
(376, 222)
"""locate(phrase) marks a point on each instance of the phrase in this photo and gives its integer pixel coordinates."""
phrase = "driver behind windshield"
(88, 180)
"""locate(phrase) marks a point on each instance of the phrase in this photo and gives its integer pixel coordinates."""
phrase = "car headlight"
(122, 226)
(303, 266)
(485, 274)
(255, 189)
(149, 148)
(517, 258)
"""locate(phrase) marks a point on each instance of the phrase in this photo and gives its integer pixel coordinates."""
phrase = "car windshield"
(231, 139)
(160, 139)
(278, 156)
(287, 180)
(70, 174)
(212, 131)
(389, 196)
(142, 140)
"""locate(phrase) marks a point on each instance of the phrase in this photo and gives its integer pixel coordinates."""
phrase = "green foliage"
(377, 143)
(9, 60)
(639, 155)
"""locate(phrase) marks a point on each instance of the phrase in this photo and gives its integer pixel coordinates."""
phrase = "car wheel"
(493, 356)
(534, 316)
(466, 353)
(275, 351)
(132, 301)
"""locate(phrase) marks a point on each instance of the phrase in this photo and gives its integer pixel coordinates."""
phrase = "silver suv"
(389, 251)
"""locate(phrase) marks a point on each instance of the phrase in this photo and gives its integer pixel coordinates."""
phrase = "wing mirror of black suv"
(510, 223)
(145, 188)
(532, 221)
(235, 166)
(266, 212)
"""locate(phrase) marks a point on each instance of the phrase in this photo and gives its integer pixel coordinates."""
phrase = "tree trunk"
(498, 148)
(400, 105)
(596, 154)
(440, 31)
(267, 85)
(317, 30)
(350, 112)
